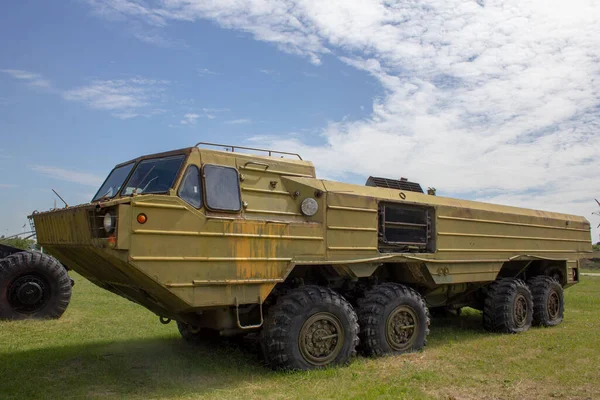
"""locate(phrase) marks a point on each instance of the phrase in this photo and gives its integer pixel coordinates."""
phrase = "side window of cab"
(190, 189)
(222, 188)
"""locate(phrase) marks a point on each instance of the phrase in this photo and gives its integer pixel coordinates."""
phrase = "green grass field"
(105, 346)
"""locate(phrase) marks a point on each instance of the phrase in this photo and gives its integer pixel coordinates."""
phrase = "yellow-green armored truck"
(233, 242)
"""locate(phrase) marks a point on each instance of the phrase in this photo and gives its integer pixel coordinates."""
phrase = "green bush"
(25, 244)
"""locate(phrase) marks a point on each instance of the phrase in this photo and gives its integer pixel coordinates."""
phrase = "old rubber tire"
(33, 286)
(548, 301)
(309, 327)
(393, 319)
(192, 334)
(508, 306)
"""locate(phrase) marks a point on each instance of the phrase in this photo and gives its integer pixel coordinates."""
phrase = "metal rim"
(553, 305)
(521, 310)
(28, 293)
(321, 339)
(401, 328)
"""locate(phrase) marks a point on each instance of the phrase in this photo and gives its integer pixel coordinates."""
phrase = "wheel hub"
(29, 293)
(520, 310)
(553, 305)
(321, 339)
(401, 328)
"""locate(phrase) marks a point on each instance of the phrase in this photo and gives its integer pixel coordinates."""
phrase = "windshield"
(113, 183)
(155, 175)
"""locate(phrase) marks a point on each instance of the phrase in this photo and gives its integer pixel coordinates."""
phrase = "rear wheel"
(393, 319)
(33, 285)
(508, 306)
(309, 327)
(548, 301)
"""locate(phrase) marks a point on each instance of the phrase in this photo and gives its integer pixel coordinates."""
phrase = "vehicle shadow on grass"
(451, 328)
(163, 367)
(144, 368)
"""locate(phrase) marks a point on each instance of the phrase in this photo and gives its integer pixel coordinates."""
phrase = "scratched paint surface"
(189, 258)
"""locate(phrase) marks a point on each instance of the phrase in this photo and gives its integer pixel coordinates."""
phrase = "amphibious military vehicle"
(230, 241)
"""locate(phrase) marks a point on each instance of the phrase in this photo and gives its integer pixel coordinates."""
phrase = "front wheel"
(309, 327)
(33, 286)
(393, 319)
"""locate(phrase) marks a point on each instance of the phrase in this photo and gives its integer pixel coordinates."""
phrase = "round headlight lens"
(109, 222)
(309, 207)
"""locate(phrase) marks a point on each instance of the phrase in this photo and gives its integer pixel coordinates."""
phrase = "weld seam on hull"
(352, 248)
(489, 221)
(216, 234)
(465, 273)
(276, 172)
(225, 282)
(507, 250)
(158, 205)
(510, 237)
(282, 192)
(249, 210)
(351, 228)
(210, 259)
(343, 208)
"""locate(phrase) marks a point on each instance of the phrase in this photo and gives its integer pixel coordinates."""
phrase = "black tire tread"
(275, 332)
(371, 309)
(10, 266)
(539, 286)
(497, 308)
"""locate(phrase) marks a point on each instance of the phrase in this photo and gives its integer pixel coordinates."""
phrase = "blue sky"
(494, 101)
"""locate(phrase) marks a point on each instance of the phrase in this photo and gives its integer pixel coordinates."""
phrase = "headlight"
(309, 207)
(109, 222)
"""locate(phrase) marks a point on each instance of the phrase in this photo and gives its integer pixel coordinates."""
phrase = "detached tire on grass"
(508, 306)
(309, 327)
(33, 286)
(393, 319)
(548, 301)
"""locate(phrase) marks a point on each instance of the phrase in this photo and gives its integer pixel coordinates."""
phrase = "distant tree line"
(25, 244)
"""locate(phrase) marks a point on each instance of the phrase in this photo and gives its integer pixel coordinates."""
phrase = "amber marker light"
(141, 218)
(112, 241)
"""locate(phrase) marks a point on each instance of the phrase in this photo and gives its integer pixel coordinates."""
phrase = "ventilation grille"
(401, 184)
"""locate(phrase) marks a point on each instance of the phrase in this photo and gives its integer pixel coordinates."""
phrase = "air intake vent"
(401, 184)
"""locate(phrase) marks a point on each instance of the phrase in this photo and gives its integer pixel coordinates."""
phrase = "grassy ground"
(105, 346)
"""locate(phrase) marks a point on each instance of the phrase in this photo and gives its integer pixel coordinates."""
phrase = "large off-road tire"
(508, 306)
(393, 318)
(309, 327)
(548, 301)
(33, 286)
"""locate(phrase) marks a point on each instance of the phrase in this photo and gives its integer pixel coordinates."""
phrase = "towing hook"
(164, 320)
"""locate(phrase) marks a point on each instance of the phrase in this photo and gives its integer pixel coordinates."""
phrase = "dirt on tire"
(374, 311)
(504, 298)
(286, 320)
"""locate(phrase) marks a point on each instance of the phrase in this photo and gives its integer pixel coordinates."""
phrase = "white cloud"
(268, 71)
(189, 119)
(206, 71)
(31, 78)
(497, 100)
(7, 186)
(210, 113)
(123, 98)
(239, 121)
(82, 178)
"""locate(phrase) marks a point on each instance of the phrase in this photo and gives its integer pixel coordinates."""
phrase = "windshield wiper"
(142, 181)
(105, 195)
